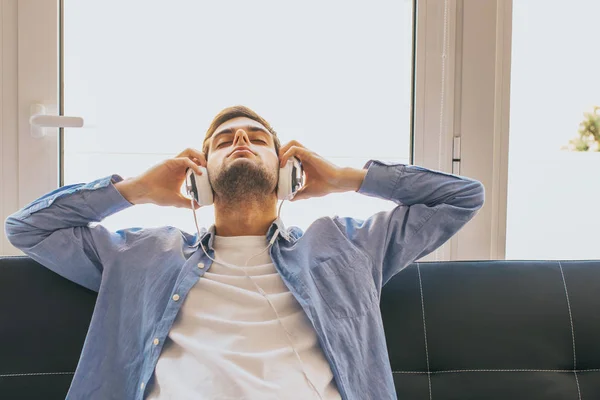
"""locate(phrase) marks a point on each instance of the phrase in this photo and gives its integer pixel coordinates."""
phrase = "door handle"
(39, 121)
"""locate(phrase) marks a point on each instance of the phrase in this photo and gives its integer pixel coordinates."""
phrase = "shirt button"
(200, 265)
(142, 385)
(155, 341)
(175, 297)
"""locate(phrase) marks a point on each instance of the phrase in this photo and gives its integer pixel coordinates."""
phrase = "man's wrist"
(351, 179)
(131, 190)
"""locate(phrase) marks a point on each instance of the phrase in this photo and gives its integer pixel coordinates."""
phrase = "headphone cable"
(260, 290)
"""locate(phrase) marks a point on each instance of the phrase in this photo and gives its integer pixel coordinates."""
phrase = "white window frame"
(476, 107)
(30, 75)
(8, 115)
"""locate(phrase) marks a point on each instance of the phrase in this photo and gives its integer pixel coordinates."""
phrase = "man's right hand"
(162, 183)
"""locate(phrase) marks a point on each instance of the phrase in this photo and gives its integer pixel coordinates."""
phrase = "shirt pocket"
(345, 284)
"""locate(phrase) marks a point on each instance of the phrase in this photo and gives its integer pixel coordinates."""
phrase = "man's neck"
(252, 218)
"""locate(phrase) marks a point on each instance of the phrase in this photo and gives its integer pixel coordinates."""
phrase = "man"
(301, 321)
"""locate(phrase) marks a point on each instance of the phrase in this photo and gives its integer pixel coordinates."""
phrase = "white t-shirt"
(227, 342)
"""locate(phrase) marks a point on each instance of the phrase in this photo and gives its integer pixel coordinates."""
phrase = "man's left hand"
(322, 177)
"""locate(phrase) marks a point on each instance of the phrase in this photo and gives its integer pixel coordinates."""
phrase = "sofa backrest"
(495, 330)
(468, 330)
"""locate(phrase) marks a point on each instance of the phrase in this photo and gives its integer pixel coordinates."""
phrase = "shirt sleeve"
(431, 207)
(56, 230)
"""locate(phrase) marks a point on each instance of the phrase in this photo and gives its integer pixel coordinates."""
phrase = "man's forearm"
(131, 190)
(351, 179)
(411, 184)
(65, 207)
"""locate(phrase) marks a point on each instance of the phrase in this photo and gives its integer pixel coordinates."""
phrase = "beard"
(243, 180)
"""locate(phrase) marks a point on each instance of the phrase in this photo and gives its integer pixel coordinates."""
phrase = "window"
(553, 190)
(336, 76)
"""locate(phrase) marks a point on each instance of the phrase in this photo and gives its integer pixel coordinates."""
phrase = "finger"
(193, 154)
(184, 202)
(200, 161)
(289, 144)
(185, 162)
(301, 194)
(300, 152)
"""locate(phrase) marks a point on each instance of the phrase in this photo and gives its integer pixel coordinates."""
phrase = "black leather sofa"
(455, 330)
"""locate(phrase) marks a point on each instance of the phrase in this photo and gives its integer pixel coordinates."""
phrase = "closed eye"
(229, 142)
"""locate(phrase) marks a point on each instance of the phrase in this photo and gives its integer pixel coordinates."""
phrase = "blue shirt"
(335, 270)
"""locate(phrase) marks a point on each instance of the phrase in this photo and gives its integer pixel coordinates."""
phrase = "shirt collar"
(208, 236)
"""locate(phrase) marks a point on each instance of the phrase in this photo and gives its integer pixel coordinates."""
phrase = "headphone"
(291, 179)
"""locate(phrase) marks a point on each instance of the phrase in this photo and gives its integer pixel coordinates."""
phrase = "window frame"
(476, 109)
(36, 165)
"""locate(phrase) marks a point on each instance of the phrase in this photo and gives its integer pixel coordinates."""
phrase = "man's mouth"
(241, 151)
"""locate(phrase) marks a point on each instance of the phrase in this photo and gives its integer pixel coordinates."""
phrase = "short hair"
(235, 112)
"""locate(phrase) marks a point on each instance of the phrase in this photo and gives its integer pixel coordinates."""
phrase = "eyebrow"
(250, 128)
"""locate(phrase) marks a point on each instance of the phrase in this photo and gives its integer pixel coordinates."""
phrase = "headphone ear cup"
(290, 179)
(198, 186)
(284, 186)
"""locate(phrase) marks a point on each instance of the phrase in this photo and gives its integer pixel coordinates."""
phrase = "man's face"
(242, 161)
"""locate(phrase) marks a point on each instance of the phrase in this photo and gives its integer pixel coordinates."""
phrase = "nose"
(241, 138)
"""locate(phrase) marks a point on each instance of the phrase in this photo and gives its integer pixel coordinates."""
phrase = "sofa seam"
(424, 328)
(564, 281)
(35, 373)
(495, 370)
